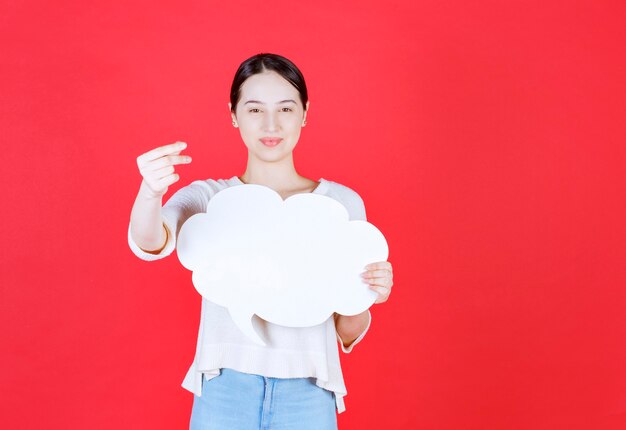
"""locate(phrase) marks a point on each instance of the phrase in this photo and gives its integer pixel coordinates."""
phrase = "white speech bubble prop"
(291, 262)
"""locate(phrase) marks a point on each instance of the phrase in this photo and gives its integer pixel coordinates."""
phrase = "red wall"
(486, 139)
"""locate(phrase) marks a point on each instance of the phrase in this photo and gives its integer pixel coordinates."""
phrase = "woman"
(295, 381)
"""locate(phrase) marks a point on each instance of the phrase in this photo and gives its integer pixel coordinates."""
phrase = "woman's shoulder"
(347, 196)
(220, 182)
(203, 189)
(214, 184)
(341, 189)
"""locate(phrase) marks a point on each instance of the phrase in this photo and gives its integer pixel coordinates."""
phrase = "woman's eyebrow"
(256, 101)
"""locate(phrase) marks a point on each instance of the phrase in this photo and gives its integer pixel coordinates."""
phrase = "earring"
(234, 123)
(303, 123)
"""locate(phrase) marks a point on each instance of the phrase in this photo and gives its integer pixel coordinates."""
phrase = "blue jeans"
(242, 401)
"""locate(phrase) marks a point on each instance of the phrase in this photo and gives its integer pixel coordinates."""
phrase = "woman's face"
(269, 107)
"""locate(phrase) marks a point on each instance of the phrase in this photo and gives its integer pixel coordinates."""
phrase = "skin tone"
(269, 106)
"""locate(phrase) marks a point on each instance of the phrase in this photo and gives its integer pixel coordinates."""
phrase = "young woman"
(295, 381)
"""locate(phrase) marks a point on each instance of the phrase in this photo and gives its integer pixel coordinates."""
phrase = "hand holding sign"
(291, 262)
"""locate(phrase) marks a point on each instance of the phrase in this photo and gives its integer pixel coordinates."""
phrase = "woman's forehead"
(268, 88)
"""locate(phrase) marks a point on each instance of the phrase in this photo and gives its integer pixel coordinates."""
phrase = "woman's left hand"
(380, 277)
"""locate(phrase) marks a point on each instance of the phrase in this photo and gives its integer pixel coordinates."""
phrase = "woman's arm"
(379, 276)
(351, 327)
(157, 168)
(146, 224)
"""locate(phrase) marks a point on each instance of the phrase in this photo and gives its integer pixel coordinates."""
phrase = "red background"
(487, 141)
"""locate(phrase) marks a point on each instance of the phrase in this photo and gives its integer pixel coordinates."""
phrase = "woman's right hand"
(157, 168)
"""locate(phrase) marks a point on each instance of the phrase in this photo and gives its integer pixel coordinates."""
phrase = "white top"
(291, 352)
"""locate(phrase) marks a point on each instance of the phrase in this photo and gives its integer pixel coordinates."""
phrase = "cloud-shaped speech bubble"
(291, 262)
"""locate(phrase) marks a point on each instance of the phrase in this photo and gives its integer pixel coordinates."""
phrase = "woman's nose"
(271, 122)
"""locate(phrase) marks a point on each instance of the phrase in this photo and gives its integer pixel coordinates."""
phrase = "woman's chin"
(269, 157)
(271, 154)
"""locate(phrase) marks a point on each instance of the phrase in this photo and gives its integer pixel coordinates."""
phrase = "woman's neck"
(277, 175)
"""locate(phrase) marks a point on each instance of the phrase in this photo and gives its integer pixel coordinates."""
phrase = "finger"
(162, 172)
(168, 180)
(381, 289)
(161, 151)
(164, 159)
(383, 282)
(378, 265)
(376, 274)
(168, 160)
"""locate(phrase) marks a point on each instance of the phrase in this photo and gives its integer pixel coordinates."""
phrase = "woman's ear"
(232, 115)
(306, 110)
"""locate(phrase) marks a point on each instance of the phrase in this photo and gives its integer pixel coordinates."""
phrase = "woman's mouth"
(270, 141)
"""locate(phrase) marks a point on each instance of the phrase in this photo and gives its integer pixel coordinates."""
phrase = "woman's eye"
(255, 110)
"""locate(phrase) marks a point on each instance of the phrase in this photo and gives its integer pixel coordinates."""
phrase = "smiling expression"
(269, 107)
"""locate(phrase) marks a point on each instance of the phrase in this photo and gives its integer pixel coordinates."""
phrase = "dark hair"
(264, 62)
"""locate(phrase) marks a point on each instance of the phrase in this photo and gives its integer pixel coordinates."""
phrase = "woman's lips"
(271, 141)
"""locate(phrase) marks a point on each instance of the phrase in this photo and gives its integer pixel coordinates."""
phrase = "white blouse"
(290, 352)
